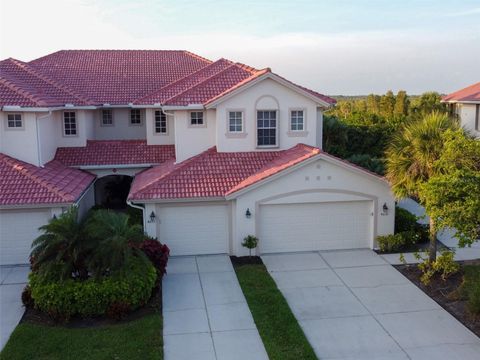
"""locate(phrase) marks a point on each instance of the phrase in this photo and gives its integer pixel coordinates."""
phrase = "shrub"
(116, 242)
(390, 243)
(250, 242)
(404, 220)
(444, 265)
(27, 299)
(157, 253)
(63, 299)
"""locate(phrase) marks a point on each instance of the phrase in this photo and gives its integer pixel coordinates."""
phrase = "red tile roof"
(118, 76)
(24, 86)
(26, 184)
(121, 77)
(214, 174)
(470, 93)
(115, 152)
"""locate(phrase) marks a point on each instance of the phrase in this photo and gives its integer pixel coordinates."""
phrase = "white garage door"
(315, 226)
(193, 230)
(17, 231)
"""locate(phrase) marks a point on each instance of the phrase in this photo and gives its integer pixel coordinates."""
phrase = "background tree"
(401, 104)
(412, 156)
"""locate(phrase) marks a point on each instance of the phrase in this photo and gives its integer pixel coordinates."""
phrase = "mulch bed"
(154, 305)
(444, 293)
(246, 260)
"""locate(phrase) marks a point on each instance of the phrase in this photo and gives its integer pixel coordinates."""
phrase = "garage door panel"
(18, 229)
(315, 226)
(192, 230)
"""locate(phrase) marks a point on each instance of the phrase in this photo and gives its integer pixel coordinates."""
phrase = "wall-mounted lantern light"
(385, 209)
(152, 217)
(248, 214)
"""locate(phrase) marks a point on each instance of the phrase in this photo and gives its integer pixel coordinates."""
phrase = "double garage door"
(191, 230)
(17, 231)
(315, 226)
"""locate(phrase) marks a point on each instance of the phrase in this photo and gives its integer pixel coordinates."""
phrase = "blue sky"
(335, 47)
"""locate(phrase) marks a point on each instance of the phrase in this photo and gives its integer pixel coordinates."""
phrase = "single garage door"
(315, 226)
(17, 231)
(194, 230)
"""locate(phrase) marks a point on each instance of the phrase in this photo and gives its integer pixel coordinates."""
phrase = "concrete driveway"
(205, 314)
(12, 282)
(354, 305)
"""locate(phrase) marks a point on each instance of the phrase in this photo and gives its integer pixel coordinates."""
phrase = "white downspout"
(129, 203)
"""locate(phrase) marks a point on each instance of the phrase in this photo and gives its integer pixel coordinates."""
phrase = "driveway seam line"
(371, 314)
(206, 309)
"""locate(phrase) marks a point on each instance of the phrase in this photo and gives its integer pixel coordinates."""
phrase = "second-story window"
(160, 122)
(14, 121)
(267, 128)
(107, 117)
(69, 123)
(235, 121)
(135, 117)
(196, 118)
(297, 121)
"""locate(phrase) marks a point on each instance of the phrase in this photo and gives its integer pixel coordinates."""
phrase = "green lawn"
(138, 339)
(282, 336)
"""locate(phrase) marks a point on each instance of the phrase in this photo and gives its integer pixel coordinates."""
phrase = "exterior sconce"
(152, 217)
(248, 214)
(385, 209)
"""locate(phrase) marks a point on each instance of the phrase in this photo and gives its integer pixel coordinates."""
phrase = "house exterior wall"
(467, 114)
(265, 95)
(86, 201)
(320, 181)
(48, 139)
(21, 143)
(121, 128)
(84, 129)
(159, 139)
(192, 140)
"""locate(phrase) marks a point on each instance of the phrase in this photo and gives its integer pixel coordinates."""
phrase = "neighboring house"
(210, 151)
(466, 104)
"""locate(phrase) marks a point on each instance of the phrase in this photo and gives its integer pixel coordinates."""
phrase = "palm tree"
(411, 159)
(116, 241)
(61, 250)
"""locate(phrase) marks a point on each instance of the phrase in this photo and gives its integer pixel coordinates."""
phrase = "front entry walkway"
(354, 305)
(12, 282)
(205, 314)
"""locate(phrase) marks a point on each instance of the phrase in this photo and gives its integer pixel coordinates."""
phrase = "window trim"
(15, 128)
(189, 119)
(130, 118)
(277, 128)
(155, 123)
(297, 133)
(102, 124)
(235, 134)
(76, 123)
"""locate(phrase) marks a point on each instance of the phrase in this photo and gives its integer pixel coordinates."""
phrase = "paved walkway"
(205, 314)
(12, 282)
(354, 305)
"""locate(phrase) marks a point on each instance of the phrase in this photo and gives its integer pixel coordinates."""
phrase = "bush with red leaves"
(157, 253)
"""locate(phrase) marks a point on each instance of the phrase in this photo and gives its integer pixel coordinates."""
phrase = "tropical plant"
(411, 159)
(60, 252)
(116, 241)
(250, 242)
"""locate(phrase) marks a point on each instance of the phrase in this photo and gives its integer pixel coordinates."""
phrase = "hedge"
(94, 297)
